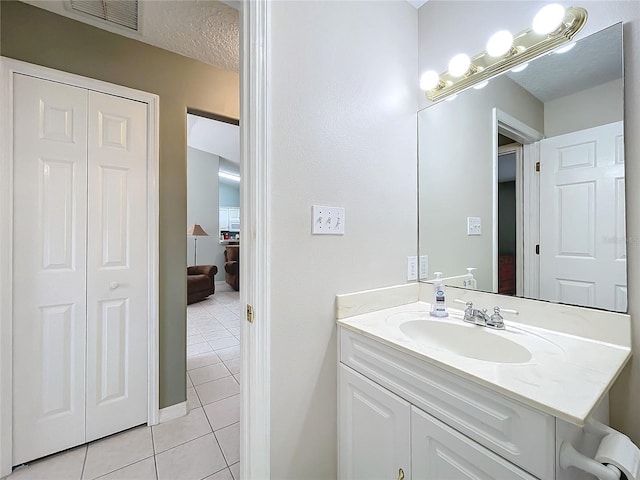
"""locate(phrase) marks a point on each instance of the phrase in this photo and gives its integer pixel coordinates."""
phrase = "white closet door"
(117, 274)
(50, 185)
(582, 246)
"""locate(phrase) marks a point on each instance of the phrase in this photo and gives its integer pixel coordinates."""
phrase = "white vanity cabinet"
(399, 412)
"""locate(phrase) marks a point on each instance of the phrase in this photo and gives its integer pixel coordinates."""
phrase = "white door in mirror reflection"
(583, 244)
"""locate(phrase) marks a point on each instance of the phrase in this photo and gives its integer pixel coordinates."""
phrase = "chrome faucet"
(481, 318)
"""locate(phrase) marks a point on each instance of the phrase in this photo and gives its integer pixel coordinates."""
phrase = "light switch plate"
(327, 220)
(474, 226)
(412, 268)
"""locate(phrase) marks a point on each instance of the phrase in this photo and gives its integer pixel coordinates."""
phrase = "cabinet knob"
(400, 474)
(114, 285)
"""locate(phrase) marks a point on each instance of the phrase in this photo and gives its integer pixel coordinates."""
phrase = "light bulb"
(481, 85)
(429, 80)
(459, 65)
(565, 49)
(548, 19)
(520, 68)
(500, 43)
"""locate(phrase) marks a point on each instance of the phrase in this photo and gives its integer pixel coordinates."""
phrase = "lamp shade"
(197, 231)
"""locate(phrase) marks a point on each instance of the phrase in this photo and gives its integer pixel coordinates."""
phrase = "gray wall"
(442, 20)
(37, 36)
(202, 206)
(343, 116)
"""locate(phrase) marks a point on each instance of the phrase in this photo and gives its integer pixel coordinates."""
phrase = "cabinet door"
(374, 430)
(439, 452)
(224, 218)
(234, 215)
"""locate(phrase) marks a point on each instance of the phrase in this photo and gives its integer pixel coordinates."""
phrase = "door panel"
(583, 247)
(117, 274)
(49, 307)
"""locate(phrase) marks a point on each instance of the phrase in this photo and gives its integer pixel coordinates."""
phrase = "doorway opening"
(213, 298)
(509, 214)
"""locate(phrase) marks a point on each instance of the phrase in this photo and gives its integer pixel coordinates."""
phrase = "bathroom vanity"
(421, 397)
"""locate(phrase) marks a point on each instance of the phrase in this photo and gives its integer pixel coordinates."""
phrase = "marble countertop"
(567, 376)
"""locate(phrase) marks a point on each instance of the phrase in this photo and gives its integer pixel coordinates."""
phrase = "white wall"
(202, 208)
(343, 117)
(448, 27)
(589, 108)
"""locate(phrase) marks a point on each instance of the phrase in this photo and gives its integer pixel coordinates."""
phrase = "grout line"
(84, 461)
(223, 454)
(155, 455)
(188, 441)
(126, 466)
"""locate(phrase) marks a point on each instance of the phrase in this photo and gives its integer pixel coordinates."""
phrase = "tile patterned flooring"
(204, 444)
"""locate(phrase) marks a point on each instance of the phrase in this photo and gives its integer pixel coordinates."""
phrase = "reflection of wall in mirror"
(589, 108)
(456, 174)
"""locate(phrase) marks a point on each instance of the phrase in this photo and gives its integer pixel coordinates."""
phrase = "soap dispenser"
(439, 307)
(470, 282)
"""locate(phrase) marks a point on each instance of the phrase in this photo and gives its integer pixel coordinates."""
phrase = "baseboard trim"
(174, 411)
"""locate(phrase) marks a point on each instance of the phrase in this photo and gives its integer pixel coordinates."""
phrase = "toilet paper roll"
(616, 449)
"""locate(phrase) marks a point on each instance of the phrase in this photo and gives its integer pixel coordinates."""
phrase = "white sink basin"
(464, 339)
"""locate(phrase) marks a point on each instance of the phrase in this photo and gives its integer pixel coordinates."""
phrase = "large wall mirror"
(523, 180)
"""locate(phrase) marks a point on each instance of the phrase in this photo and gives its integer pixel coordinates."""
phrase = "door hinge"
(537, 166)
(537, 249)
(250, 313)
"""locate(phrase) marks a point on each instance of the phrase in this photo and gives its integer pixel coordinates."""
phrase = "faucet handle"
(508, 310)
(464, 302)
(496, 321)
(468, 312)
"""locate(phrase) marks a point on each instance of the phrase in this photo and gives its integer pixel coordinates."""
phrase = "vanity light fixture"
(459, 65)
(552, 27)
(500, 43)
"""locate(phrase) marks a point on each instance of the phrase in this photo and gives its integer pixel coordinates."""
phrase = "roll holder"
(570, 457)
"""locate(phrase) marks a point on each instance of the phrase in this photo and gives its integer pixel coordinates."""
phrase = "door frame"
(528, 138)
(8, 68)
(255, 271)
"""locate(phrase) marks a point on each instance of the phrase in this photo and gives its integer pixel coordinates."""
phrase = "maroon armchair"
(232, 266)
(200, 283)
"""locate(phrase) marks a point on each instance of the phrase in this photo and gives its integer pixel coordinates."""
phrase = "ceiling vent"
(119, 12)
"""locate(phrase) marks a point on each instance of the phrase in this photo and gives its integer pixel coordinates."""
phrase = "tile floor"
(204, 444)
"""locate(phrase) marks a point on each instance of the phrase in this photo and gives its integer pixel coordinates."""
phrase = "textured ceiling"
(594, 60)
(206, 30)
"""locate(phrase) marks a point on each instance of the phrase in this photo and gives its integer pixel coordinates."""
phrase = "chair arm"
(209, 270)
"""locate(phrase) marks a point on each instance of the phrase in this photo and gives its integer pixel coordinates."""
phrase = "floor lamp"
(197, 231)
